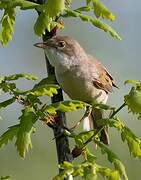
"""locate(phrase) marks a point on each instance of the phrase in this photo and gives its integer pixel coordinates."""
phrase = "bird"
(81, 76)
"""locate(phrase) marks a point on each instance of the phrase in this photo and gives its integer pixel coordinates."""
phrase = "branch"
(62, 144)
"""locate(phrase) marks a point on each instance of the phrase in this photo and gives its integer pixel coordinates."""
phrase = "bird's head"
(62, 50)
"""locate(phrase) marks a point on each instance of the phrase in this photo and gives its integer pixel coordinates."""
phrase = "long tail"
(91, 123)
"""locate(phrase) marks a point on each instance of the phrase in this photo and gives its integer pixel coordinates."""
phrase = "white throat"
(60, 60)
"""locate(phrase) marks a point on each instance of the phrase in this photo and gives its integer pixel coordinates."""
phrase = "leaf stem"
(116, 111)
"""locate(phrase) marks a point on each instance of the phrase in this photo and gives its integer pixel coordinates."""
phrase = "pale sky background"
(122, 59)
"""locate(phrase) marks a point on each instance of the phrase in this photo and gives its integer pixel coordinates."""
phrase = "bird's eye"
(61, 44)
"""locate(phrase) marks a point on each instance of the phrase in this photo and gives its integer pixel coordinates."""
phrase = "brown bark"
(62, 143)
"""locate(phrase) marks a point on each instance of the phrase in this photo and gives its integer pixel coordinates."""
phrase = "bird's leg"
(51, 122)
(86, 114)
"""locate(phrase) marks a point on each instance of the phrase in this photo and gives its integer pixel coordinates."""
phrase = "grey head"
(63, 50)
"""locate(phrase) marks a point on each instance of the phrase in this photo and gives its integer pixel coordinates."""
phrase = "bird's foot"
(86, 114)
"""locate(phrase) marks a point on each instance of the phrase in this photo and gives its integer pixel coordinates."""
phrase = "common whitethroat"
(80, 75)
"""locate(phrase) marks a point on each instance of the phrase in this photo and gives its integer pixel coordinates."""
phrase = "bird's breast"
(77, 85)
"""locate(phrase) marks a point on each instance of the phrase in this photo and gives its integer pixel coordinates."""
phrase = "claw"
(86, 114)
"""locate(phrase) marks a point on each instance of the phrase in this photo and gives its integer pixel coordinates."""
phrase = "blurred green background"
(122, 59)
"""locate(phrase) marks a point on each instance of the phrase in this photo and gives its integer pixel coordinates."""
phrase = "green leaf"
(89, 172)
(27, 120)
(55, 9)
(127, 135)
(83, 137)
(46, 19)
(106, 28)
(4, 4)
(78, 171)
(8, 135)
(115, 122)
(101, 10)
(2, 78)
(18, 76)
(44, 90)
(112, 157)
(84, 8)
(88, 2)
(23, 4)
(133, 101)
(48, 80)
(7, 87)
(133, 142)
(108, 173)
(7, 102)
(97, 23)
(102, 106)
(131, 81)
(5, 178)
(44, 22)
(89, 156)
(8, 19)
(68, 2)
(64, 106)
(7, 23)
(67, 169)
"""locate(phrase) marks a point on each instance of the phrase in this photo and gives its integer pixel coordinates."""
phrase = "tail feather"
(90, 123)
(86, 124)
(104, 136)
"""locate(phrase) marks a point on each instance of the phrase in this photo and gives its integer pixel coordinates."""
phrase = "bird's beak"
(41, 45)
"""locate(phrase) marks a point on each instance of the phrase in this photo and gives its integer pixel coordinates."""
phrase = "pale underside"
(78, 87)
(78, 80)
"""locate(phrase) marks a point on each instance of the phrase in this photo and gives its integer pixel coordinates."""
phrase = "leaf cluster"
(8, 19)
(99, 10)
(48, 14)
(33, 108)
(89, 168)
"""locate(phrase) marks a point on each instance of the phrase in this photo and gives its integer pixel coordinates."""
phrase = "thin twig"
(116, 111)
(113, 114)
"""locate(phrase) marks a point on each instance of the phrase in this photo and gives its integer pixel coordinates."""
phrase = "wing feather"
(104, 79)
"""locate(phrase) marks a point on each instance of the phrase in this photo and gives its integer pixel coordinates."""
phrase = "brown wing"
(104, 80)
